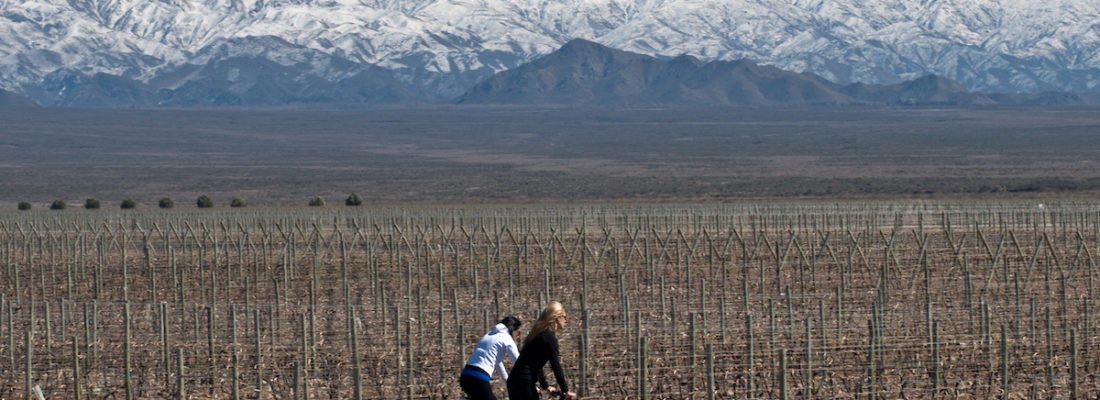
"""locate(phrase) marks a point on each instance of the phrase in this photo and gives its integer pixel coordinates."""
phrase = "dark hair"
(510, 322)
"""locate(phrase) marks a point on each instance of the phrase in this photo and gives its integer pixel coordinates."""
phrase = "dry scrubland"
(491, 155)
(801, 299)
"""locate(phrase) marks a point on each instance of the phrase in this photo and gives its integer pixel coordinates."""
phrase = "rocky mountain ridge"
(273, 52)
(587, 73)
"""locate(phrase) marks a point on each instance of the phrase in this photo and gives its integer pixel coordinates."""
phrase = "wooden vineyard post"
(303, 367)
(1050, 353)
(150, 269)
(871, 359)
(442, 334)
(839, 305)
(710, 371)
(745, 292)
(1088, 332)
(477, 284)
(694, 360)
(357, 373)
(581, 386)
(485, 321)
(257, 362)
(643, 366)
(821, 324)
(235, 393)
(783, 374)
(584, 342)
(181, 392)
(11, 341)
(809, 361)
(162, 332)
(461, 348)
(66, 317)
(210, 361)
(454, 306)
(91, 324)
(877, 347)
(410, 371)
(1004, 360)
(749, 357)
(76, 371)
(790, 311)
(637, 336)
(664, 303)
(988, 342)
(702, 308)
(46, 322)
(28, 364)
(546, 283)
(771, 327)
(128, 378)
(273, 326)
(299, 377)
(311, 365)
(276, 309)
(625, 305)
(1073, 387)
(722, 317)
(1031, 319)
(125, 274)
(935, 358)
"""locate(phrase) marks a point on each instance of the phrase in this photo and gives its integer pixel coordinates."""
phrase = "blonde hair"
(546, 321)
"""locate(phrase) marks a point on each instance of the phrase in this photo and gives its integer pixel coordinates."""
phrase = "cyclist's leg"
(476, 389)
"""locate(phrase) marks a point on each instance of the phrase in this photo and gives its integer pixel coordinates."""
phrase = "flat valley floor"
(492, 155)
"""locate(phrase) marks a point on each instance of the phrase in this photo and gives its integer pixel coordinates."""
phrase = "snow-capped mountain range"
(187, 52)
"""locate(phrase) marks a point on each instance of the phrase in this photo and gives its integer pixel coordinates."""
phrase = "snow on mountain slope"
(442, 47)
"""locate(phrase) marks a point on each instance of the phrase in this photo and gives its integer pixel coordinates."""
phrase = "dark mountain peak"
(925, 90)
(98, 90)
(932, 82)
(582, 49)
(744, 63)
(581, 72)
(589, 52)
(685, 60)
(934, 89)
(584, 72)
(13, 100)
(744, 67)
(582, 45)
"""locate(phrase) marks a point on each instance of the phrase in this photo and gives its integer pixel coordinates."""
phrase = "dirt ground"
(813, 299)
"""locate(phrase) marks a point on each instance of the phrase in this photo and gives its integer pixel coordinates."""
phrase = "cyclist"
(489, 356)
(540, 347)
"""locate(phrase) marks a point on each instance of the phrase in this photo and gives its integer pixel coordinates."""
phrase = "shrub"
(91, 204)
(24, 205)
(57, 205)
(316, 202)
(165, 202)
(353, 200)
(237, 202)
(128, 204)
(204, 202)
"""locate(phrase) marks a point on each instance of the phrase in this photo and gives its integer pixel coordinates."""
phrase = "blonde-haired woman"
(540, 346)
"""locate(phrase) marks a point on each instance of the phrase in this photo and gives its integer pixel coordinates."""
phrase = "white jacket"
(491, 349)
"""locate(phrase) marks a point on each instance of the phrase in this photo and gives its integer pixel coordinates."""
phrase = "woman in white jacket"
(488, 357)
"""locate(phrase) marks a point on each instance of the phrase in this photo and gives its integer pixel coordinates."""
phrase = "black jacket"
(534, 355)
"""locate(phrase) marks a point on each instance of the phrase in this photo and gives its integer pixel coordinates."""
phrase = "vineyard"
(792, 300)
